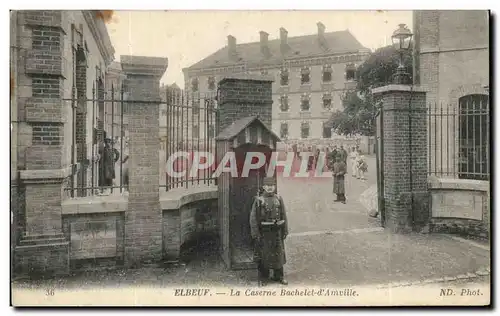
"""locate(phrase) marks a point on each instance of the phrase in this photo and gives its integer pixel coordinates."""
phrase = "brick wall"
(143, 219)
(242, 98)
(47, 133)
(43, 209)
(406, 195)
(187, 224)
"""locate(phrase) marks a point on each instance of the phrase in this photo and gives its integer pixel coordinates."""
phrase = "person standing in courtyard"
(354, 157)
(269, 229)
(362, 167)
(339, 171)
(343, 154)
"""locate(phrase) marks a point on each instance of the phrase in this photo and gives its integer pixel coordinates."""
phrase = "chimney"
(321, 33)
(231, 43)
(264, 48)
(283, 40)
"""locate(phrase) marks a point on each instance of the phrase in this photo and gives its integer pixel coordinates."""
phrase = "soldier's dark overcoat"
(270, 246)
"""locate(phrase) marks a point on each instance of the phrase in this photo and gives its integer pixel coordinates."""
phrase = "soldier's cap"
(268, 181)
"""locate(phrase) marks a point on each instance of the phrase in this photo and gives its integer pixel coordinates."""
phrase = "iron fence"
(100, 134)
(190, 126)
(99, 144)
(459, 139)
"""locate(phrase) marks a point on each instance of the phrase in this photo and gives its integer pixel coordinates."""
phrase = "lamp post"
(402, 36)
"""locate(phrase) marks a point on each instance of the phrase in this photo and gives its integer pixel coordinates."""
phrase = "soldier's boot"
(263, 276)
(279, 276)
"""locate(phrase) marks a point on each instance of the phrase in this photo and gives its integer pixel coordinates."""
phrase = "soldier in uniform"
(269, 229)
(109, 156)
(339, 171)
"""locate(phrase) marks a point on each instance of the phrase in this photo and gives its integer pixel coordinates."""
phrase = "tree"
(359, 107)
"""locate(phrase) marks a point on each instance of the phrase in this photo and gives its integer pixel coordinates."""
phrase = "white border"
(189, 5)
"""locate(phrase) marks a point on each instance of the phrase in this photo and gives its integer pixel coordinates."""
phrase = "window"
(327, 101)
(327, 131)
(284, 77)
(350, 72)
(284, 103)
(474, 138)
(194, 85)
(305, 76)
(327, 73)
(211, 83)
(264, 72)
(305, 102)
(304, 130)
(284, 130)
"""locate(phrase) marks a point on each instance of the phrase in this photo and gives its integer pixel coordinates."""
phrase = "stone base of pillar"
(42, 256)
(398, 212)
(404, 215)
(421, 209)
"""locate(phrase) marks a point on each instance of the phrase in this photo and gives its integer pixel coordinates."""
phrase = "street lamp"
(402, 36)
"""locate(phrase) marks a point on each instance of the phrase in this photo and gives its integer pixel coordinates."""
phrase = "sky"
(185, 37)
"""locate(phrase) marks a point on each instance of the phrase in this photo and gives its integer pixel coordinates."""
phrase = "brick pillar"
(44, 164)
(400, 188)
(143, 219)
(242, 96)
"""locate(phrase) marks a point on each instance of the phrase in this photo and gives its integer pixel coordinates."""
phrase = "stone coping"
(45, 174)
(398, 87)
(458, 184)
(171, 200)
(176, 198)
(95, 204)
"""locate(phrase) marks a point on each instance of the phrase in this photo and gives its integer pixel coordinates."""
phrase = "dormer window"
(264, 72)
(305, 75)
(211, 83)
(327, 101)
(284, 103)
(284, 77)
(350, 72)
(194, 84)
(327, 73)
(305, 102)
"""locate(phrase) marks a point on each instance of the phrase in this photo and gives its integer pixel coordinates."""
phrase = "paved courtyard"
(329, 244)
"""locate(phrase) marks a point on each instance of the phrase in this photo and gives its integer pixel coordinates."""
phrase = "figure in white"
(353, 156)
(362, 167)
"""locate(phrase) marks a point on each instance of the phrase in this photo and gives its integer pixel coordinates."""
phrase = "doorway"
(243, 192)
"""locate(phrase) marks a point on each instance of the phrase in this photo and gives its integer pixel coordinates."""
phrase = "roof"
(239, 125)
(300, 46)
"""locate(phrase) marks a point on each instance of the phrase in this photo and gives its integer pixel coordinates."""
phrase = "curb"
(479, 273)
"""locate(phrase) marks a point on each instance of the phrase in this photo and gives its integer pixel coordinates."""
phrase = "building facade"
(452, 63)
(59, 114)
(310, 74)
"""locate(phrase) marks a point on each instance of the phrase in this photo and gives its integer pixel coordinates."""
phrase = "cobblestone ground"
(329, 244)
